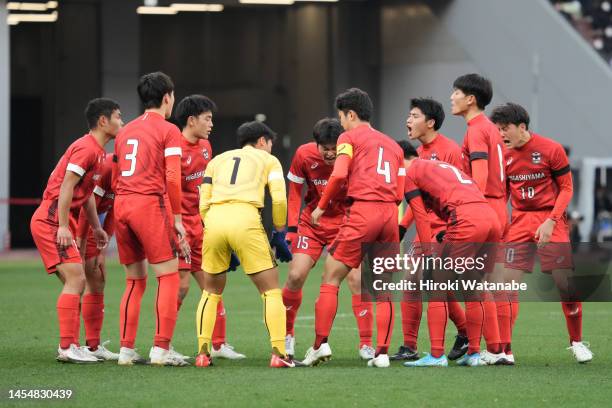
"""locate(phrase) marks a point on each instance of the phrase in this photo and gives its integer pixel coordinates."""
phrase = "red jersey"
(532, 169)
(195, 158)
(83, 157)
(141, 148)
(377, 161)
(483, 141)
(442, 186)
(308, 167)
(103, 189)
(441, 148)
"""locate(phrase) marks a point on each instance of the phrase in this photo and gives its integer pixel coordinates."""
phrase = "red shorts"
(312, 239)
(364, 222)
(195, 236)
(521, 245)
(144, 229)
(91, 248)
(44, 226)
(473, 231)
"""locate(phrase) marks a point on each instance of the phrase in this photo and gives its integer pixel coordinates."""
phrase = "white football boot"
(380, 361)
(226, 351)
(581, 351)
(314, 357)
(366, 352)
(176, 354)
(105, 354)
(128, 357)
(73, 354)
(494, 359)
(162, 357)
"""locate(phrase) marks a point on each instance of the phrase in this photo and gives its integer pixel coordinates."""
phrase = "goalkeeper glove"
(234, 263)
(279, 243)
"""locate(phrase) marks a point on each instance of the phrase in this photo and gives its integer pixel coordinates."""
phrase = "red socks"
(412, 310)
(218, 335)
(573, 319)
(292, 299)
(129, 311)
(437, 316)
(325, 312)
(504, 318)
(363, 316)
(165, 309)
(67, 314)
(385, 318)
(93, 316)
(457, 316)
(491, 326)
(474, 315)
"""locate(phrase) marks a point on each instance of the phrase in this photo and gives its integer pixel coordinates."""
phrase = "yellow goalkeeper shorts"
(235, 227)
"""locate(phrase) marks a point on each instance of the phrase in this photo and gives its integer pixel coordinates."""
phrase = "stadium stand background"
(288, 62)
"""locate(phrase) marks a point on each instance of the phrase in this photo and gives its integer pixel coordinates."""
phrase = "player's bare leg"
(72, 277)
(363, 314)
(93, 307)
(299, 268)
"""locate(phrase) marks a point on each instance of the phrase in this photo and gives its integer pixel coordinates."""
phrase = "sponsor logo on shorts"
(363, 312)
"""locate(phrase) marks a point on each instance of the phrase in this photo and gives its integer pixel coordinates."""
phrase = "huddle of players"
(368, 173)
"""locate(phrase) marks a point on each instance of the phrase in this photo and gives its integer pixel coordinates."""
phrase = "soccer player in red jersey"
(94, 261)
(483, 160)
(148, 155)
(311, 166)
(194, 116)
(455, 199)
(373, 165)
(424, 120)
(53, 224)
(540, 186)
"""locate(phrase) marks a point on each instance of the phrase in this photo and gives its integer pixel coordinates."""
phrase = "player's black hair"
(356, 100)
(510, 114)
(409, 150)
(193, 105)
(250, 132)
(431, 108)
(326, 131)
(152, 87)
(477, 85)
(99, 107)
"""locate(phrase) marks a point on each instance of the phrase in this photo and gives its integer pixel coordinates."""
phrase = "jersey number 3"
(131, 157)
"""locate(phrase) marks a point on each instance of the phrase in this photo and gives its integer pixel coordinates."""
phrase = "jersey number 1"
(235, 170)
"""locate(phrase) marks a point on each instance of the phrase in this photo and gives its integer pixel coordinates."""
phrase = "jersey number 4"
(131, 157)
(383, 167)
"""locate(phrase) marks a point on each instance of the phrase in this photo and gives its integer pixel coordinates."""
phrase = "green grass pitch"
(546, 374)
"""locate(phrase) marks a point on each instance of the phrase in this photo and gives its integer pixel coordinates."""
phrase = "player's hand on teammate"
(101, 238)
(64, 237)
(544, 232)
(182, 241)
(279, 243)
(234, 263)
(316, 215)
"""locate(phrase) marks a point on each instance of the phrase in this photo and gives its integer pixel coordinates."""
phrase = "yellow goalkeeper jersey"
(241, 176)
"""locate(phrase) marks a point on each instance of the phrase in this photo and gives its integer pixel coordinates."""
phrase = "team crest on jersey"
(434, 156)
(189, 159)
(536, 157)
(205, 154)
(314, 166)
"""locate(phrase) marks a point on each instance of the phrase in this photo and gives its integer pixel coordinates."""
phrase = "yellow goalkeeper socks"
(205, 320)
(275, 319)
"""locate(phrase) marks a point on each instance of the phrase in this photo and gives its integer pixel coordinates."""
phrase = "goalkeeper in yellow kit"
(231, 199)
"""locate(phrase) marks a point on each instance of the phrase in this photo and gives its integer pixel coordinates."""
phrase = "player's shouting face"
(512, 135)
(417, 124)
(328, 153)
